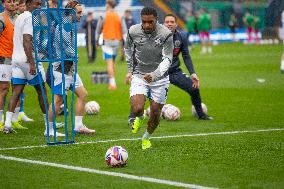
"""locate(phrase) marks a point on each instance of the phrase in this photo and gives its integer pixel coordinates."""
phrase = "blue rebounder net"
(55, 43)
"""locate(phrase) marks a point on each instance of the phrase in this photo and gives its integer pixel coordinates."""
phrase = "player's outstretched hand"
(128, 78)
(148, 78)
(32, 69)
(195, 81)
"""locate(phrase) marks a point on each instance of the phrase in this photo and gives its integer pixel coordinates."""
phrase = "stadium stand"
(101, 3)
(97, 3)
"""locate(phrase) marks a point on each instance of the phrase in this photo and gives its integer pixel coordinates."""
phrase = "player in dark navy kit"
(177, 77)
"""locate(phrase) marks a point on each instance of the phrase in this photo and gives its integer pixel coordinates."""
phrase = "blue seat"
(92, 3)
(1, 8)
(136, 3)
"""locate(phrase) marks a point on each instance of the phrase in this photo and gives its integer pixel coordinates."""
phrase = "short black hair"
(171, 15)
(72, 4)
(149, 11)
(29, 1)
(32, 1)
(22, 1)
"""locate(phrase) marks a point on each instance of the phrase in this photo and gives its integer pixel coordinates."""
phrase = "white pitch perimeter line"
(108, 173)
(158, 137)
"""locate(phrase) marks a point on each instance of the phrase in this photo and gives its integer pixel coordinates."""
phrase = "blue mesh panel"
(55, 37)
(55, 40)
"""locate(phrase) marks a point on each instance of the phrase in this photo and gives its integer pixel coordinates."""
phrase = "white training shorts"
(5, 72)
(21, 75)
(69, 82)
(156, 91)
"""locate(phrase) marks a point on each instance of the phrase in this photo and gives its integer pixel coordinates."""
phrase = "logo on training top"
(177, 43)
(142, 41)
(3, 75)
(158, 42)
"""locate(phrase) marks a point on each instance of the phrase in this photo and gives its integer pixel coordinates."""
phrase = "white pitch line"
(158, 137)
(108, 173)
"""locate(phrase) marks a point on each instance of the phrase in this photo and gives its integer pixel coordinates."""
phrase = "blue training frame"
(50, 59)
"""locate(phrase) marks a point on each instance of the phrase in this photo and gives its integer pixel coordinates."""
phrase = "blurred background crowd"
(252, 21)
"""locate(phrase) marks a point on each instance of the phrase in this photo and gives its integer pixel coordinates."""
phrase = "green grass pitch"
(234, 97)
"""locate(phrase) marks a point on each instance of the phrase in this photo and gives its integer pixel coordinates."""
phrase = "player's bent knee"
(138, 110)
(4, 87)
(4, 91)
(156, 113)
(81, 92)
(83, 95)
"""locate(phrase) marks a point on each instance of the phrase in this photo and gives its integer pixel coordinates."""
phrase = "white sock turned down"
(8, 120)
(112, 81)
(78, 122)
(16, 114)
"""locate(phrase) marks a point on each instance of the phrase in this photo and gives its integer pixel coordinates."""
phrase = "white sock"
(282, 65)
(8, 119)
(78, 122)
(21, 112)
(209, 49)
(1, 114)
(203, 50)
(44, 118)
(146, 135)
(50, 126)
(16, 114)
(112, 81)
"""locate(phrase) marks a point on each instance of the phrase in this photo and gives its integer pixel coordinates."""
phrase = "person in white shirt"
(23, 63)
(7, 20)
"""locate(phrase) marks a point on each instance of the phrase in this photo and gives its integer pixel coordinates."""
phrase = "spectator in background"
(112, 29)
(282, 59)
(248, 21)
(90, 25)
(21, 6)
(256, 27)
(128, 18)
(129, 21)
(190, 24)
(203, 27)
(233, 23)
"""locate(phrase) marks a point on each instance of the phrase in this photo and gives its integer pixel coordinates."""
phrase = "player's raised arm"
(167, 53)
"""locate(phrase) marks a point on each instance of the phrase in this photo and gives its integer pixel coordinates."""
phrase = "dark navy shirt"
(181, 46)
(129, 22)
(93, 26)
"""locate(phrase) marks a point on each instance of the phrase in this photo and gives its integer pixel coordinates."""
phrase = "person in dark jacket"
(189, 84)
(90, 25)
(129, 21)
